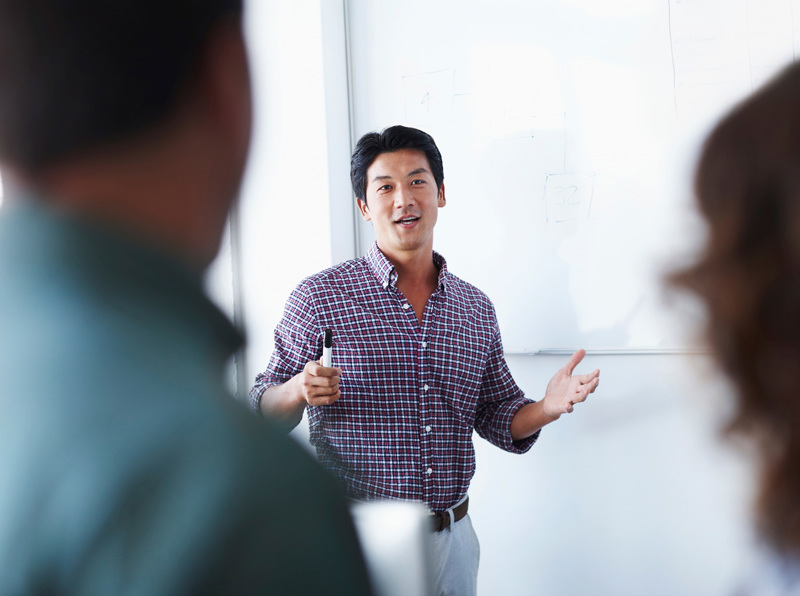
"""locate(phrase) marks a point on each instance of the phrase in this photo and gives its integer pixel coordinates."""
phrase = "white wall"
(285, 210)
(282, 220)
(631, 494)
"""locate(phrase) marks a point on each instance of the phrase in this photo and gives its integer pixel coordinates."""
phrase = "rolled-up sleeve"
(499, 401)
(297, 341)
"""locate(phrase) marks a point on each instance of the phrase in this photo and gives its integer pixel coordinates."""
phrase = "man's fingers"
(321, 385)
(587, 378)
(589, 384)
(581, 396)
(574, 361)
(326, 381)
(316, 369)
(583, 390)
(325, 391)
(324, 400)
(324, 387)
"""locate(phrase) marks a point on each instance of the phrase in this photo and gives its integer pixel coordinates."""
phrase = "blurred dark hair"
(748, 189)
(76, 73)
(394, 138)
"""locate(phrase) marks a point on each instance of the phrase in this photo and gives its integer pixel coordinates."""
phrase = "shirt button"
(424, 344)
(428, 428)
(425, 387)
(429, 471)
(385, 285)
(406, 305)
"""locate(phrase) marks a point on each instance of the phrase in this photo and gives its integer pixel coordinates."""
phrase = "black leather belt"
(441, 519)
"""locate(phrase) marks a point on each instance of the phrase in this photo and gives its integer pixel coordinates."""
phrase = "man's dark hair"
(394, 138)
(76, 73)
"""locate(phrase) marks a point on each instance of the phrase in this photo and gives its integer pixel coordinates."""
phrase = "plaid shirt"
(411, 394)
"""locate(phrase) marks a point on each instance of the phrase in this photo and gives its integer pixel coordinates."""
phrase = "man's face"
(402, 201)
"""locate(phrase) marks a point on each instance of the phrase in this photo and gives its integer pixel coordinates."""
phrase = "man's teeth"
(407, 219)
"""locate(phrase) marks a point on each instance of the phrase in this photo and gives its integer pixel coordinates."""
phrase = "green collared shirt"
(125, 465)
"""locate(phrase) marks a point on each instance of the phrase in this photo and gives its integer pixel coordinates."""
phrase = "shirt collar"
(386, 274)
(441, 264)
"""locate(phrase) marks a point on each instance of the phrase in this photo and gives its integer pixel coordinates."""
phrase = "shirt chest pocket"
(457, 366)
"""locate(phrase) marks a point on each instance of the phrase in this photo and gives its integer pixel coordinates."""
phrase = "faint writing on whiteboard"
(719, 54)
(428, 96)
(568, 196)
(513, 120)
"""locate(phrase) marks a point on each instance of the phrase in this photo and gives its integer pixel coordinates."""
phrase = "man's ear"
(442, 199)
(364, 209)
(226, 82)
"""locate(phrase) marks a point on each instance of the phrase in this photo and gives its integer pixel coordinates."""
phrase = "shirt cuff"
(522, 445)
(255, 398)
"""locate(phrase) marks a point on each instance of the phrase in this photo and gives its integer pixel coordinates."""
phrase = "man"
(419, 359)
(125, 465)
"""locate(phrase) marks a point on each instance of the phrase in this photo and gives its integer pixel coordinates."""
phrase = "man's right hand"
(315, 385)
(318, 385)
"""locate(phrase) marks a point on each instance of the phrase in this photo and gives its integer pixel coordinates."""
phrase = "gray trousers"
(455, 554)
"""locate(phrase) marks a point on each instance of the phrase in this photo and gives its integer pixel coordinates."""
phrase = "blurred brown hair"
(748, 189)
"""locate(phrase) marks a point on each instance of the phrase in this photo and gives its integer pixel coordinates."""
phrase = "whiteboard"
(569, 130)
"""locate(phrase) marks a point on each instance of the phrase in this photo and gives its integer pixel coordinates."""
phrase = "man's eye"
(385, 187)
(417, 182)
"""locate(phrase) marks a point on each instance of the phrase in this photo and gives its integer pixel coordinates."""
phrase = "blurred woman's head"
(748, 189)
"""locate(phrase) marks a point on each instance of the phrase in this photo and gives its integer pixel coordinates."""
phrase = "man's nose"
(403, 197)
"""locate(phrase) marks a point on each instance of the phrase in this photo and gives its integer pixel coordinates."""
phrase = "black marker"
(327, 349)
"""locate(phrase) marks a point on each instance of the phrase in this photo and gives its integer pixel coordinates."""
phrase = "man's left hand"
(565, 389)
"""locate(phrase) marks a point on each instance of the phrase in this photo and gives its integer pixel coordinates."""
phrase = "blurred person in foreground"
(748, 189)
(125, 465)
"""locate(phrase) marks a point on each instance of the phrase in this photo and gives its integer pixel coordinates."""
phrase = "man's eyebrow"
(384, 177)
(418, 171)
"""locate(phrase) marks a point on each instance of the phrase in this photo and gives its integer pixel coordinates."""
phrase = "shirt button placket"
(425, 427)
(429, 470)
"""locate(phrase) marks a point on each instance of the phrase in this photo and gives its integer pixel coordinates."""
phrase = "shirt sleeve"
(297, 341)
(500, 399)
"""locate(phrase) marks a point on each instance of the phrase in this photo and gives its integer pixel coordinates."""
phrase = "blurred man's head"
(136, 113)
(75, 74)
